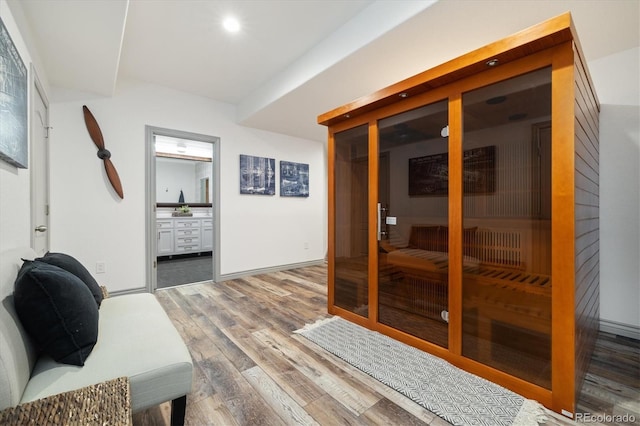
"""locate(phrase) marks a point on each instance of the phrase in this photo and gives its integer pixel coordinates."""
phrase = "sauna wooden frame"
(575, 195)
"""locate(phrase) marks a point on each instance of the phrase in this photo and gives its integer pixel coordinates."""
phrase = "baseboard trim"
(236, 275)
(128, 291)
(620, 329)
(233, 276)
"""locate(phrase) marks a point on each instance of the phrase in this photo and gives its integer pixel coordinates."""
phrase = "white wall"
(90, 222)
(15, 207)
(620, 214)
(618, 87)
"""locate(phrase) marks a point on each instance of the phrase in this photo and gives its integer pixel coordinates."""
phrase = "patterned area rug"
(458, 397)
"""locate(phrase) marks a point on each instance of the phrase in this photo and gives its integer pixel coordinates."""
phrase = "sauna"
(463, 212)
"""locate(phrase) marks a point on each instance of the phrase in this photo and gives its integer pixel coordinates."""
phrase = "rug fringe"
(531, 414)
(318, 323)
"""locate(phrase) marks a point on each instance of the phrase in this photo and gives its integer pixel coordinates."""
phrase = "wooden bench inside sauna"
(494, 273)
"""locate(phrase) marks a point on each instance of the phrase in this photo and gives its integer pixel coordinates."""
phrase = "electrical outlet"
(101, 267)
(306, 246)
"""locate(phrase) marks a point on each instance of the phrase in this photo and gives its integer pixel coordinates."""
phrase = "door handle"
(379, 220)
(41, 228)
(381, 211)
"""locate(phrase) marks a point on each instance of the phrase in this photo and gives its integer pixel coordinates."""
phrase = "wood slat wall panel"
(587, 252)
(586, 340)
(588, 160)
(586, 225)
(590, 102)
(588, 246)
(587, 112)
(585, 134)
(589, 301)
(589, 186)
(584, 149)
(589, 273)
(589, 295)
(586, 212)
(587, 201)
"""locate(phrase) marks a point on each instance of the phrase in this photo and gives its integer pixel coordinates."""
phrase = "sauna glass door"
(506, 289)
(351, 227)
(412, 222)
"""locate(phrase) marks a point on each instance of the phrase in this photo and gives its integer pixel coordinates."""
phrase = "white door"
(40, 173)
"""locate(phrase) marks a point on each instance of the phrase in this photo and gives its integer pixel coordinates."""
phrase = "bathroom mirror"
(183, 172)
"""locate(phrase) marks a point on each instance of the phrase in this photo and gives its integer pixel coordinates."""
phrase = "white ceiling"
(293, 59)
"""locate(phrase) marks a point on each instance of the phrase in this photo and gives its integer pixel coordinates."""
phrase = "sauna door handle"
(381, 211)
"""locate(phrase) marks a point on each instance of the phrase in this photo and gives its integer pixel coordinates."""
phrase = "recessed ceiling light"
(517, 116)
(231, 24)
(496, 100)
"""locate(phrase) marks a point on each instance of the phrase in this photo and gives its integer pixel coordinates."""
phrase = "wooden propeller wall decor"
(103, 153)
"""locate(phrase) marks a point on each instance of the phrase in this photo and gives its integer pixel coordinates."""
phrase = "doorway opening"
(39, 168)
(182, 207)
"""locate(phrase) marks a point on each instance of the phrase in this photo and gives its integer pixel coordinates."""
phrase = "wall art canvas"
(294, 179)
(13, 103)
(429, 175)
(257, 175)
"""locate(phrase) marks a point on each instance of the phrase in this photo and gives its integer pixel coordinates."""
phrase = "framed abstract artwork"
(429, 175)
(294, 179)
(257, 175)
(13, 103)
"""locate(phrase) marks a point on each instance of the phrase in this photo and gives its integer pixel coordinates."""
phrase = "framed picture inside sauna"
(13, 103)
(294, 179)
(429, 175)
(257, 175)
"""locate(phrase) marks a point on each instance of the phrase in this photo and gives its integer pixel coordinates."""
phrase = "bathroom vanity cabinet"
(184, 235)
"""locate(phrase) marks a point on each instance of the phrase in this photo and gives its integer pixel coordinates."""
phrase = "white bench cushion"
(135, 339)
(17, 354)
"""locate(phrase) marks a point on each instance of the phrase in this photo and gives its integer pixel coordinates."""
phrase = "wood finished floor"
(249, 369)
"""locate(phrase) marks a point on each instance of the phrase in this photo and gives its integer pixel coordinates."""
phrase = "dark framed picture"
(13, 103)
(294, 179)
(257, 175)
(429, 175)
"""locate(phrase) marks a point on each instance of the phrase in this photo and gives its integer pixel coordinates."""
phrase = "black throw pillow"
(71, 264)
(57, 310)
